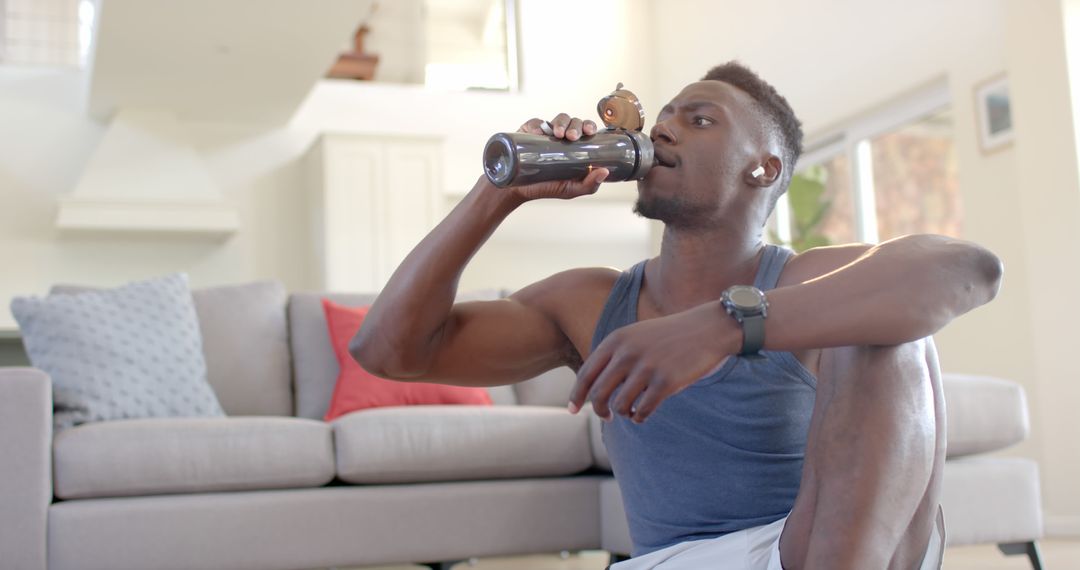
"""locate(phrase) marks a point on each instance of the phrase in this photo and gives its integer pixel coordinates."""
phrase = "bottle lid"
(621, 110)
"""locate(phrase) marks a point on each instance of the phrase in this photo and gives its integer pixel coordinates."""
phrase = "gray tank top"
(723, 455)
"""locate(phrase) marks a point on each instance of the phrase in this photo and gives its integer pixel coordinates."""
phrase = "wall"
(46, 141)
(837, 58)
(1047, 173)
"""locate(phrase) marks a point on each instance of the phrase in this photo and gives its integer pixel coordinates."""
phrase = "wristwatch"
(749, 307)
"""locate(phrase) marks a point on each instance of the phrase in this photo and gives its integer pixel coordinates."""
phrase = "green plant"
(808, 207)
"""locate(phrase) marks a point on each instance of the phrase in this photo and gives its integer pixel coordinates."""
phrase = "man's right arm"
(414, 331)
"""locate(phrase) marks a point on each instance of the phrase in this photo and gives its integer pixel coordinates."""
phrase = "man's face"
(705, 139)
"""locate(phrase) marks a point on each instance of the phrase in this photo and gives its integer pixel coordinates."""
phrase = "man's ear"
(765, 173)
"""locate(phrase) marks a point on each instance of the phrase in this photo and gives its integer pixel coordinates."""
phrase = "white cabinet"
(372, 199)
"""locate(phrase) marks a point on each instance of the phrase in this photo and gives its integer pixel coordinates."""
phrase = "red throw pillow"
(357, 389)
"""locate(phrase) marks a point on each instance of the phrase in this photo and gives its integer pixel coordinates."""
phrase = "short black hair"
(778, 113)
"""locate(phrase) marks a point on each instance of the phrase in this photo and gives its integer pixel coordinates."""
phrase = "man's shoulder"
(587, 277)
(569, 289)
(814, 263)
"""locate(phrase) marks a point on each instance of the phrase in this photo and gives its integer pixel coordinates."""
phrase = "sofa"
(273, 486)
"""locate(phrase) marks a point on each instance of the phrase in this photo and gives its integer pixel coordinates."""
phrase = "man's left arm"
(898, 291)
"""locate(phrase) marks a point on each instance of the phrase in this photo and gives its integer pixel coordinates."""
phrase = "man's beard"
(674, 212)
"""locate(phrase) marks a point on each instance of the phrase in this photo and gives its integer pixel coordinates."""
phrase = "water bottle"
(516, 159)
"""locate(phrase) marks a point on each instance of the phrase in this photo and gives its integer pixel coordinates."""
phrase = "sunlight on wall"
(1071, 16)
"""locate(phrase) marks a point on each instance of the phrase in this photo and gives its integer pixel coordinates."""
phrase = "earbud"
(758, 172)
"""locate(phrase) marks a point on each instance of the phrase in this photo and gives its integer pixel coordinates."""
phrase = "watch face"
(745, 297)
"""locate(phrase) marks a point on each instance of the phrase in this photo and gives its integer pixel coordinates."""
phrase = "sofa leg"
(1029, 548)
(444, 565)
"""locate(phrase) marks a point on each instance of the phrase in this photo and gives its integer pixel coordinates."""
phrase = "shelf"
(181, 217)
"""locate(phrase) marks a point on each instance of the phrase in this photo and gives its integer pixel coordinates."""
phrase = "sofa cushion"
(130, 352)
(552, 388)
(984, 414)
(315, 368)
(991, 500)
(191, 455)
(357, 389)
(447, 443)
(245, 341)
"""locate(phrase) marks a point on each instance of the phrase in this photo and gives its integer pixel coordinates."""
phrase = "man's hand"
(571, 129)
(651, 360)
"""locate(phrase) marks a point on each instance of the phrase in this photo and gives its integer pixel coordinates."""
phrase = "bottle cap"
(621, 110)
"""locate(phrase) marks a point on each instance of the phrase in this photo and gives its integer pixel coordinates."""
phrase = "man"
(822, 450)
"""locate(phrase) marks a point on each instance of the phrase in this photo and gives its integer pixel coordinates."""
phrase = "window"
(883, 175)
(458, 45)
(914, 179)
(469, 45)
(46, 32)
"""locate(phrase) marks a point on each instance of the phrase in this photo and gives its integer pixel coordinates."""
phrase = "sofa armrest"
(25, 466)
(984, 414)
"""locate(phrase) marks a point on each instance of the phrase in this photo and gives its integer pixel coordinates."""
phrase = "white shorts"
(755, 548)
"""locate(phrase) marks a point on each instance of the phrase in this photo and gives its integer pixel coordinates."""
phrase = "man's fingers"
(592, 181)
(606, 383)
(559, 124)
(573, 130)
(648, 402)
(635, 384)
(569, 189)
(586, 376)
(589, 185)
(562, 126)
(532, 126)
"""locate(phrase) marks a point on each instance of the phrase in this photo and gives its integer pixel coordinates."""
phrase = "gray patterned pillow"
(130, 352)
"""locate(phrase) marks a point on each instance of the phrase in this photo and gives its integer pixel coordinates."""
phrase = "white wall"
(1047, 174)
(46, 140)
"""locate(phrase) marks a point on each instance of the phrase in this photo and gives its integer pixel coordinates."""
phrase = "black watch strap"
(753, 334)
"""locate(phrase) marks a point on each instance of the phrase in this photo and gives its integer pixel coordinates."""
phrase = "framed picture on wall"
(995, 115)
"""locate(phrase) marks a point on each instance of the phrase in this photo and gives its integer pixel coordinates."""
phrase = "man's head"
(712, 140)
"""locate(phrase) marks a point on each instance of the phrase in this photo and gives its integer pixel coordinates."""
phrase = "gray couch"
(272, 486)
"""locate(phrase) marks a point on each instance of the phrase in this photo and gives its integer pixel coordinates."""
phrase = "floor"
(1057, 555)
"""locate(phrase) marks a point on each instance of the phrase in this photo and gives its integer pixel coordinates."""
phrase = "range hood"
(158, 65)
(145, 176)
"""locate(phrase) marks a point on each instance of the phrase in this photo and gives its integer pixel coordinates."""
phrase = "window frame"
(3, 32)
(513, 49)
(511, 52)
(76, 57)
(852, 138)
